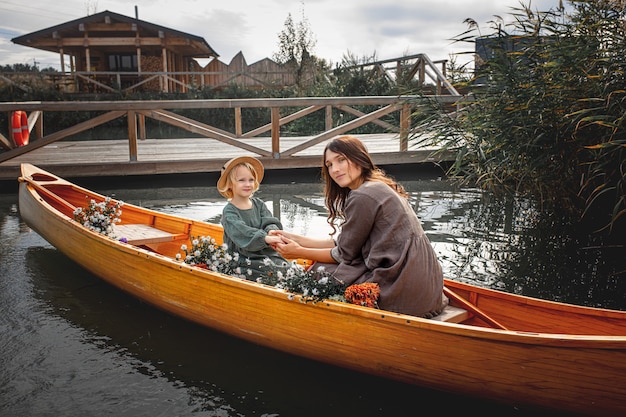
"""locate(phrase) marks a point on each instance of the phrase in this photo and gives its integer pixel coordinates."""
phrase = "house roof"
(115, 32)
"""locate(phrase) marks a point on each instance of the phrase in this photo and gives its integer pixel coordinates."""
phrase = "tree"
(295, 48)
(549, 121)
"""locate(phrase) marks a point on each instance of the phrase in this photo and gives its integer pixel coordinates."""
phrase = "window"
(123, 63)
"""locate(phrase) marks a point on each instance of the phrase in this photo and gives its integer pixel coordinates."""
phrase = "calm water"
(74, 346)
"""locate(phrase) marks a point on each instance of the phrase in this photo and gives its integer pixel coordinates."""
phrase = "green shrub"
(548, 120)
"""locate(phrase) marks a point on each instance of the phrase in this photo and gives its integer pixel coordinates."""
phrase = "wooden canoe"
(504, 347)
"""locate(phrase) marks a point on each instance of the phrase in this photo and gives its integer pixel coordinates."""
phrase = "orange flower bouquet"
(365, 294)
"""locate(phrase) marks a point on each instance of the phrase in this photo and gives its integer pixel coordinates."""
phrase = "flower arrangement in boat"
(318, 284)
(206, 253)
(312, 284)
(365, 294)
(100, 216)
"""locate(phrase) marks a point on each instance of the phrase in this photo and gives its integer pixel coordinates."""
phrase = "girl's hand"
(272, 240)
(280, 233)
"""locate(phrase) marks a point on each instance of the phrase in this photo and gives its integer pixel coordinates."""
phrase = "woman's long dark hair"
(356, 153)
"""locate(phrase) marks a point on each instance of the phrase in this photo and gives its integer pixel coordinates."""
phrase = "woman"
(381, 238)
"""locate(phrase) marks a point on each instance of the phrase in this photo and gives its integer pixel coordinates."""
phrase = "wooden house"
(112, 50)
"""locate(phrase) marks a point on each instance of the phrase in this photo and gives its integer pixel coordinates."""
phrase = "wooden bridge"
(134, 153)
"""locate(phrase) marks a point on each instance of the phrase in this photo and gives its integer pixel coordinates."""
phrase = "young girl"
(381, 238)
(246, 219)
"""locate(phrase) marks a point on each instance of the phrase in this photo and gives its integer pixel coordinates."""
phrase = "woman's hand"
(294, 246)
(288, 248)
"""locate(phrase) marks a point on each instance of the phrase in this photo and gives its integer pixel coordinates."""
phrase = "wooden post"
(87, 53)
(132, 135)
(62, 60)
(164, 78)
(142, 126)
(39, 125)
(329, 117)
(238, 129)
(405, 124)
(439, 82)
(138, 46)
(276, 132)
(87, 60)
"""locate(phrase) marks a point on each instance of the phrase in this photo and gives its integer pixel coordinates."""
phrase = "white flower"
(99, 217)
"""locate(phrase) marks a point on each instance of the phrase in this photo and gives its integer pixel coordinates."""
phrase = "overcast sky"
(386, 28)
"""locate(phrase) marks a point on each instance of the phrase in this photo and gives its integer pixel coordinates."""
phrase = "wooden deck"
(96, 158)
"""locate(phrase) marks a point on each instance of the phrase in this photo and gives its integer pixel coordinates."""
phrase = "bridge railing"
(282, 110)
(409, 69)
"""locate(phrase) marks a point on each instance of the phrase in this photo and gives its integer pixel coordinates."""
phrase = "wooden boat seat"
(452, 314)
(142, 234)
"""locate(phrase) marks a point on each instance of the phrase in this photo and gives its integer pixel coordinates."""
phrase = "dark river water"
(72, 345)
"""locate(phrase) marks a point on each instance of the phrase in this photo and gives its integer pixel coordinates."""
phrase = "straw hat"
(228, 166)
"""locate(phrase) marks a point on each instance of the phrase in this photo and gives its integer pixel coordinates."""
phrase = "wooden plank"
(142, 234)
(194, 155)
(452, 314)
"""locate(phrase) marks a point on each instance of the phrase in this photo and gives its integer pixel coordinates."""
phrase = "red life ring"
(21, 133)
